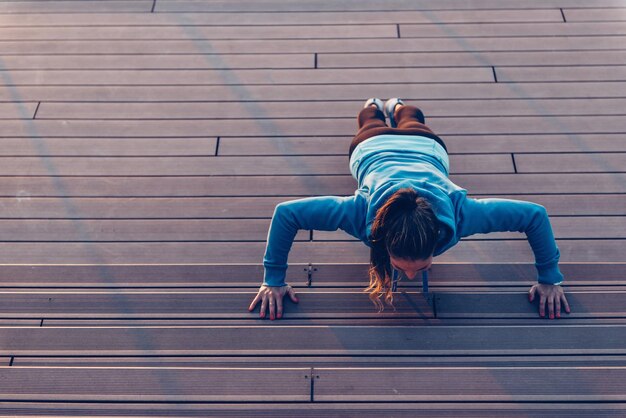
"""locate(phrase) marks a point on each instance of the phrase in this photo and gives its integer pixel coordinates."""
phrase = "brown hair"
(404, 227)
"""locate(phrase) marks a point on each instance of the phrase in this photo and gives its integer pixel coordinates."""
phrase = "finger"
(263, 307)
(557, 307)
(551, 306)
(279, 307)
(564, 299)
(292, 295)
(542, 306)
(272, 308)
(255, 301)
(531, 294)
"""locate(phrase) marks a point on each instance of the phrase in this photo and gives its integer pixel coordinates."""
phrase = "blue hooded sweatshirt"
(386, 163)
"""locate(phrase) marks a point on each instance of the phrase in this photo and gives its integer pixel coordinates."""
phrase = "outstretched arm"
(327, 213)
(497, 215)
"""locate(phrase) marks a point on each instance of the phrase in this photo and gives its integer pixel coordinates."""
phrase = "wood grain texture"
(485, 305)
(571, 163)
(546, 74)
(242, 42)
(78, 384)
(491, 384)
(268, 186)
(248, 276)
(414, 90)
(314, 305)
(250, 207)
(470, 59)
(319, 109)
(487, 251)
(190, 230)
(318, 340)
(113, 6)
(289, 127)
(223, 166)
(584, 227)
(156, 62)
(289, 409)
(595, 15)
(319, 361)
(227, 76)
(17, 110)
(183, 32)
(512, 143)
(104, 147)
(203, 305)
(468, 31)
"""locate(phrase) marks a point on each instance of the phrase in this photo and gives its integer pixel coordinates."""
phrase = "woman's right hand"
(272, 297)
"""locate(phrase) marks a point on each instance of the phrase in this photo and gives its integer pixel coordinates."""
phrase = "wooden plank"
(487, 251)
(595, 15)
(139, 230)
(488, 384)
(179, 30)
(110, 6)
(310, 45)
(540, 183)
(319, 109)
(287, 322)
(314, 409)
(155, 62)
(295, 186)
(476, 275)
(136, 275)
(248, 207)
(571, 163)
(144, 208)
(225, 275)
(18, 323)
(555, 143)
(223, 166)
(544, 339)
(104, 147)
(153, 384)
(526, 74)
(289, 127)
(202, 305)
(17, 110)
(512, 30)
(301, 61)
(239, 146)
(25, 187)
(244, 76)
(470, 58)
(222, 6)
(584, 227)
(443, 16)
(411, 91)
(300, 145)
(322, 361)
(510, 305)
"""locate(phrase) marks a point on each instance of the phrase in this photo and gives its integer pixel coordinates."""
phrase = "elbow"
(539, 211)
(284, 213)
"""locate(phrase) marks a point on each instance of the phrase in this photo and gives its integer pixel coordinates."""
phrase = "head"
(403, 236)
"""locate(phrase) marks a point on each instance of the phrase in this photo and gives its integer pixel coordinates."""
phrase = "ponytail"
(404, 227)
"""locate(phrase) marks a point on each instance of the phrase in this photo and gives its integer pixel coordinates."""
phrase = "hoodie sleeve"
(497, 215)
(326, 213)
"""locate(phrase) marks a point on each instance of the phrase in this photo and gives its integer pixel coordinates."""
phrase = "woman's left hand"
(553, 295)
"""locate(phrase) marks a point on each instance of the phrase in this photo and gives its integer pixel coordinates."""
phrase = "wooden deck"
(144, 145)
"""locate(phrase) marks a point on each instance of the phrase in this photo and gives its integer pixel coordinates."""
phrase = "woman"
(407, 211)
